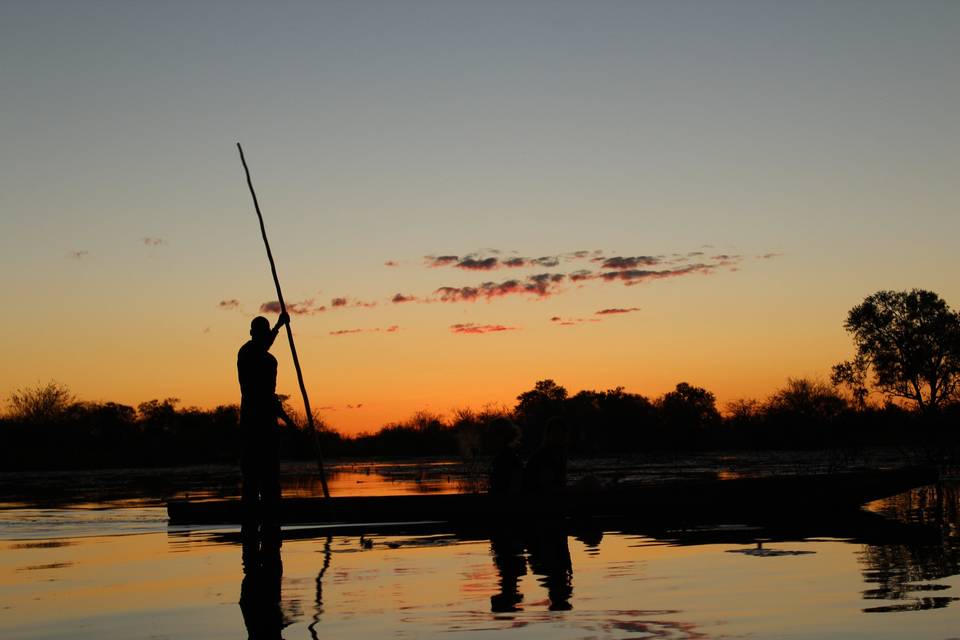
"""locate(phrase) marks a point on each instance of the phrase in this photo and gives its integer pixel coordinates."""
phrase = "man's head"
(260, 330)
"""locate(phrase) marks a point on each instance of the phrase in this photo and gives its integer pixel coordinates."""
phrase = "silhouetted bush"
(47, 429)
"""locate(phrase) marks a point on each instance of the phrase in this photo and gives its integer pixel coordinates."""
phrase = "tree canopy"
(908, 347)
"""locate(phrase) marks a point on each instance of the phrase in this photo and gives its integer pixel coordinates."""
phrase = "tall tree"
(688, 409)
(535, 407)
(908, 347)
(42, 403)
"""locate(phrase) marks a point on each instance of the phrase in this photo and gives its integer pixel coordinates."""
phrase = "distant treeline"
(907, 351)
(47, 429)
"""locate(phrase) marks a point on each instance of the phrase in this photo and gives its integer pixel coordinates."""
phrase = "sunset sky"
(455, 192)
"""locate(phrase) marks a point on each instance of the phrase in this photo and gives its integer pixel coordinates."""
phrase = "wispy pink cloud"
(545, 261)
(346, 332)
(305, 308)
(581, 275)
(621, 262)
(345, 302)
(541, 285)
(441, 261)
(478, 264)
(473, 329)
(569, 322)
(615, 311)
(481, 262)
(635, 276)
(629, 270)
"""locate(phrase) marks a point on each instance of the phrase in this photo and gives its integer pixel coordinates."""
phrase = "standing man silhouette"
(259, 410)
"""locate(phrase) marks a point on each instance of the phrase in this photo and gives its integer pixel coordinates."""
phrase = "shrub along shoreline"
(49, 429)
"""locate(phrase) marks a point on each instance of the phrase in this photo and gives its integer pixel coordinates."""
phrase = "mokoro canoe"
(792, 496)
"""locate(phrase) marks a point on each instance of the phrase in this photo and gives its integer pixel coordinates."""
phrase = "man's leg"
(270, 480)
(251, 485)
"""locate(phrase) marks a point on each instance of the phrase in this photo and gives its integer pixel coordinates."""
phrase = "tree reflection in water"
(903, 572)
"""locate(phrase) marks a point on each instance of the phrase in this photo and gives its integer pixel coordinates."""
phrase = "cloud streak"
(621, 262)
(541, 285)
(470, 328)
(631, 277)
(232, 303)
(569, 322)
(310, 307)
(441, 261)
(304, 308)
(628, 270)
(345, 302)
(478, 264)
(481, 262)
(616, 311)
(346, 332)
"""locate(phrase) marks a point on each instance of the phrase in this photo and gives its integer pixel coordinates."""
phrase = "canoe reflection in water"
(544, 546)
(260, 589)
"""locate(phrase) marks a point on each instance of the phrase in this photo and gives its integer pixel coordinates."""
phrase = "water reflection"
(904, 572)
(426, 576)
(260, 590)
(318, 600)
(544, 547)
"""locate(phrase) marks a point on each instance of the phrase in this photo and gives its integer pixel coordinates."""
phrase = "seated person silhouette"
(506, 468)
(546, 470)
(259, 410)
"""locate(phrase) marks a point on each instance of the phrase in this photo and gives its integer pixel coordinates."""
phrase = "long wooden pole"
(293, 347)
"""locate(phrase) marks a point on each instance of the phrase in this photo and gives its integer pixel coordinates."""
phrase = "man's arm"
(282, 414)
(282, 320)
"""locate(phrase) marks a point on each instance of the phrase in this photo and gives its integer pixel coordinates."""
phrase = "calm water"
(84, 571)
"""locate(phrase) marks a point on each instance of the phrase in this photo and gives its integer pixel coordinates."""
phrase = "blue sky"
(823, 132)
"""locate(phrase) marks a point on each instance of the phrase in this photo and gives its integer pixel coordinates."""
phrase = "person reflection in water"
(260, 589)
(507, 550)
(549, 558)
(259, 410)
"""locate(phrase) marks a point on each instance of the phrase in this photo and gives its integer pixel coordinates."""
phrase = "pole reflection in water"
(260, 589)
(318, 601)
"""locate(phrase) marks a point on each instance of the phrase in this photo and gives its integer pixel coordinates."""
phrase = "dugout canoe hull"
(793, 496)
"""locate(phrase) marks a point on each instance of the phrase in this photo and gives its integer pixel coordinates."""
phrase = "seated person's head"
(503, 433)
(555, 432)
